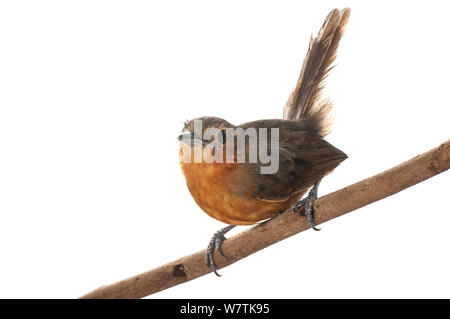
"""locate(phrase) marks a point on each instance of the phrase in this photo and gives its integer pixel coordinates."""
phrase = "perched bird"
(237, 192)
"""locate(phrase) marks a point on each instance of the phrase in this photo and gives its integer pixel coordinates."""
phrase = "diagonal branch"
(285, 225)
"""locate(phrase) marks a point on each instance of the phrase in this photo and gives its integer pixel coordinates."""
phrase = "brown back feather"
(306, 102)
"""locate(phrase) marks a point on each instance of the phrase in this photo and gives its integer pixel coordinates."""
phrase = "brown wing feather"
(304, 159)
(306, 101)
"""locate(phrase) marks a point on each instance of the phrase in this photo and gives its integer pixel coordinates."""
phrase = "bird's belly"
(209, 185)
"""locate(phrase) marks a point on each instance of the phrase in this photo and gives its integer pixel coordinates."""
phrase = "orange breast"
(212, 190)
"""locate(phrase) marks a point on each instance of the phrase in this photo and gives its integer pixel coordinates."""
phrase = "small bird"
(237, 192)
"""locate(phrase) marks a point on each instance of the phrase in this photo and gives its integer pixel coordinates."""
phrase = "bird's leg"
(308, 203)
(216, 244)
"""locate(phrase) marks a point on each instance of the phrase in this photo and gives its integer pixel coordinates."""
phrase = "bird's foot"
(216, 244)
(308, 204)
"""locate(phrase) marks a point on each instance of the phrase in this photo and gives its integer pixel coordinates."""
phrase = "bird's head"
(201, 132)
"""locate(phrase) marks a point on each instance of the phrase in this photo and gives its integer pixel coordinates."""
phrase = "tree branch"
(285, 225)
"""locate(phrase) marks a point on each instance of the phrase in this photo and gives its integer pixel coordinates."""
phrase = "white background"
(93, 95)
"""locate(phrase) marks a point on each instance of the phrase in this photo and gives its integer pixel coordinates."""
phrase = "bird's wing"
(303, 160)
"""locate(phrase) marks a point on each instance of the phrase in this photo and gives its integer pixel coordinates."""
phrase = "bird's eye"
(213, 134)
(223, 136)
(220, 135)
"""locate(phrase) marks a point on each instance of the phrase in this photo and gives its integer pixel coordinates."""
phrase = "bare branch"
(285, 225)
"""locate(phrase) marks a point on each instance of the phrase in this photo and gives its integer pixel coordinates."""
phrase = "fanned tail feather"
(306, 102)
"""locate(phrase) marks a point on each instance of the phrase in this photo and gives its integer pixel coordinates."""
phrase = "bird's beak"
(187, 137)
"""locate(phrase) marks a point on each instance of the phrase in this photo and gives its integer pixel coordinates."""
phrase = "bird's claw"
(218, 244)
(308, 204)
(298, 204)
(215, 244)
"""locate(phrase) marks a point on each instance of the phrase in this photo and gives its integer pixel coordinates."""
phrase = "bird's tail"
(306, 102)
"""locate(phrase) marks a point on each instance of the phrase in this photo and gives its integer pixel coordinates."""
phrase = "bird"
(236, 192)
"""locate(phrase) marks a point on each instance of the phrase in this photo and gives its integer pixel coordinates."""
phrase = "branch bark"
(285, 225)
